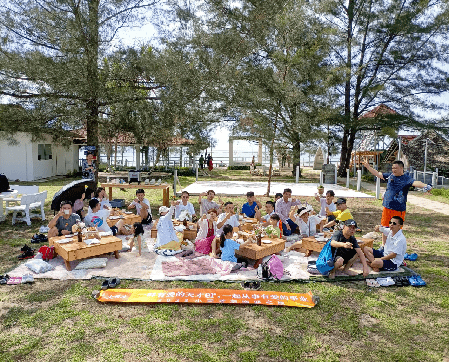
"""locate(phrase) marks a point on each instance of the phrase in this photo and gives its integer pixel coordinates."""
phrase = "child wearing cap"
(340, 215)
(345, 250)
(166, 235)
(251, 206)
(142, 206)
(307, 221)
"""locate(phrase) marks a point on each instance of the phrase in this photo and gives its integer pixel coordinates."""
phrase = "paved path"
(412, 199)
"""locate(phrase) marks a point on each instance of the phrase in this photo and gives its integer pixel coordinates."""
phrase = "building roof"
(437, 151)
(127, 138)
(379, 110)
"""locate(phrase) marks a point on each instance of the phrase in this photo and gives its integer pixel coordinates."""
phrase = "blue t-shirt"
(395, 197)
(227, 252)
(249, 210)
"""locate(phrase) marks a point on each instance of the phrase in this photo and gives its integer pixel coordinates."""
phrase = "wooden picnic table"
(129, 218)
(165, 189)
(312, 244)
(189, 233)
(255, 252)
(75, 250)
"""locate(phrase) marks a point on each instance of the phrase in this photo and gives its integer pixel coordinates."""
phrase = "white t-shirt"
(396, 244)
(266, 217)
(179, 208)
(139, 207)
(98, 219)
(233, 221)
(332, 207)
(309, 228)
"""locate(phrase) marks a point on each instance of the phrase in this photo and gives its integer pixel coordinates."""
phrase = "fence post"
(321, 177)
(335, 175)
(434, 179)
(377, 188)
(297, 174)
(196, 172)
(414, 174)
(347, 178)
(359, 180)
(175, 180)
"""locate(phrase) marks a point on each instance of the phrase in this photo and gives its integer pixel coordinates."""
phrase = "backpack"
(4, 183)
(48, 253)
(273, 268)
(325, 261)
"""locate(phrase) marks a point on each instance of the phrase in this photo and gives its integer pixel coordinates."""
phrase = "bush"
(440, 192)
(238, 167)
(368, 177)
(186, 171)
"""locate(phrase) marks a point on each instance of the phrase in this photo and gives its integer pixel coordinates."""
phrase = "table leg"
(258, 262)
(116, 254)
(110, 193)
(165, 196)
(67, 265)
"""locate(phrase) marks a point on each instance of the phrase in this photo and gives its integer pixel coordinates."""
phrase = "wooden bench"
(29, 202)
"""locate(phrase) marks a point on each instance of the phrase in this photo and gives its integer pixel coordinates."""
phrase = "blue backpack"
(325, 261)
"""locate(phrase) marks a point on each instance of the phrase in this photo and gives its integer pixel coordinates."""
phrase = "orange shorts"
(387, 214)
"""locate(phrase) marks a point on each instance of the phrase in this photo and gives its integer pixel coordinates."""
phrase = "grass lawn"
(59, 321)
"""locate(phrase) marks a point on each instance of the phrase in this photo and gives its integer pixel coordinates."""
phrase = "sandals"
(4, 279)
(110, 283)
(416, 281)
(251, 285)
(411, 257)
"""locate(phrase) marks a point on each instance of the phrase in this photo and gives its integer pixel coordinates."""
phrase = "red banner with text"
(209, 296)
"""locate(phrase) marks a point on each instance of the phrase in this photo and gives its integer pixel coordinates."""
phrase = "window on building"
(44, 152)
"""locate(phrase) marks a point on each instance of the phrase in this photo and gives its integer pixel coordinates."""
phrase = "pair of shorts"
(147, 220)
(387, 214)
(345, 253)
(114, 230)
(388, 264)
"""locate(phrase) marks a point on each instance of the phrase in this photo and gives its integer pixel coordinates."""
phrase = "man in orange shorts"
(395, 197)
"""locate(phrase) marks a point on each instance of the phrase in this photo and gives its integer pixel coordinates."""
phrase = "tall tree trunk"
(270, 170)
(296, 158)
(92, 78)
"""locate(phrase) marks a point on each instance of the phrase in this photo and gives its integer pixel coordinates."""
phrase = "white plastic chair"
(28, 203)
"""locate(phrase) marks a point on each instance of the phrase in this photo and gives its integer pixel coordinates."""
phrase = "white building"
(27, 160)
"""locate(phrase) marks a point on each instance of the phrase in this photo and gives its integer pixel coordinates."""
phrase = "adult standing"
(210, 164)
(395, 197)
(88, 166)
(283, 207)
(201, 162)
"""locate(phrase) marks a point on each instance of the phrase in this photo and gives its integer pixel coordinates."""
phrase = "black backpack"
(4, 183)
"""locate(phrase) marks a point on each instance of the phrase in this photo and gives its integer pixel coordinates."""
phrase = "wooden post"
(196, 172)
(297, 174)
(347, 178)
(335, 174)
(321, 177)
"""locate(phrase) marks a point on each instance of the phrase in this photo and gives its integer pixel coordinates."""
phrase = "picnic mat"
(196, 267)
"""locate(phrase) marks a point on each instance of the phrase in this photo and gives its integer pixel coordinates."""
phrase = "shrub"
(440, 192)
(238, 167)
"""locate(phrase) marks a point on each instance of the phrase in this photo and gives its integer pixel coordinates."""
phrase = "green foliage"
(238, 167)
(440, 192)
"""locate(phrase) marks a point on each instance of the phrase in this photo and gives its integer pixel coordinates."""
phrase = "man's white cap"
(163, 209)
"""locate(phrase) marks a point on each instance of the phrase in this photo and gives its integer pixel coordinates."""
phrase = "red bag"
(48, 253)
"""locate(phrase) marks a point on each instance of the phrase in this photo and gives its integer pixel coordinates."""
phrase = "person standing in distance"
(395, 197)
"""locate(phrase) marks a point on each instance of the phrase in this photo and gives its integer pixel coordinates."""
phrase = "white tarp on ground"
(260, 188)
